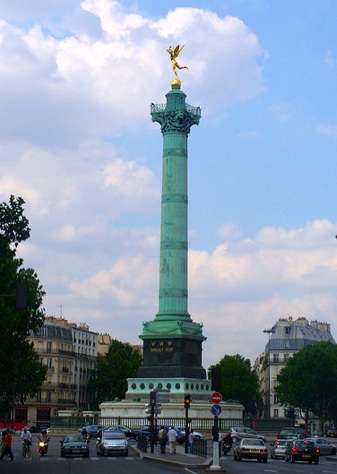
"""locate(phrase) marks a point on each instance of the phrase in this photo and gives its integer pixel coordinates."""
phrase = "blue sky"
(77, 143)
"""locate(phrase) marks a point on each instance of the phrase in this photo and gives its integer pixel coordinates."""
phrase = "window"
(275, 357)
(286, 344)
(286, 357)
(275, 412)
(48, 347)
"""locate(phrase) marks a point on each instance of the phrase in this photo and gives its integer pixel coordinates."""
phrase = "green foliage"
(21, 372)
(109, 382)
(239, 382)
(309, 380)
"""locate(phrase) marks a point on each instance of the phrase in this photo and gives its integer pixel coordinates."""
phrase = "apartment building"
(70, 352)
(286, 337)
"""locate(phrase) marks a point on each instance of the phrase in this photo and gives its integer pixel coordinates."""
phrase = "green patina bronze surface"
(172, 338)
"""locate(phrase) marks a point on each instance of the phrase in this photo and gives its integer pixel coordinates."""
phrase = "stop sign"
(216, 397)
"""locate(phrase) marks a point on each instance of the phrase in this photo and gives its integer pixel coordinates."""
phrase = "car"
(239, 432)
(129, 433)
(196, 434)
(33, 429)
(74, 445)
(251, 448)
(292, 432)
(145, 431)
(278, 448)
(11, 430)
(92, 430)
(331, 434)
(112, 442)
(325, 448)
(302, 450)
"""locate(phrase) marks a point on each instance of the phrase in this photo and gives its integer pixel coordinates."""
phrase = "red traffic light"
(187, 400)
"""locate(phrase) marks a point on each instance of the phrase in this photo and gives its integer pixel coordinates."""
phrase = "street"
(52, 463)
(276, 466)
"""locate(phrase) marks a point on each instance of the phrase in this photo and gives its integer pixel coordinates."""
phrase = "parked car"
(74, 445)
(33, 429)
(251, 448)
(331, 434)
(92, 430)
(324, 446)
(129, 433)
(292, 432)
(239, 432)
(278, 448)
(196, 434)
(112, 442)
(302, 450)
(145, 430)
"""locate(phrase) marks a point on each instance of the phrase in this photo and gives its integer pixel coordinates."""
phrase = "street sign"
(216, 410)
(216, 397)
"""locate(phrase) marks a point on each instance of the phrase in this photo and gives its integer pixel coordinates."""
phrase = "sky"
(78, 145)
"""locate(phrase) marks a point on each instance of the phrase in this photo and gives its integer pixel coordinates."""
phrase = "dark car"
(92, 430)
(33, 429)
(331, 434)
(145, 431)
(251, 448)
(74, 445)
(292, 432)
(129, 433)
(302, 450)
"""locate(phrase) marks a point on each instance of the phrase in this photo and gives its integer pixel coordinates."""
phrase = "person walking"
(190, 440)
(172, 439)
(8, 446)
(162, 436)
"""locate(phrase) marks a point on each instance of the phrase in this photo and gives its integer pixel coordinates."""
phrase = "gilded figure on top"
(173, 56)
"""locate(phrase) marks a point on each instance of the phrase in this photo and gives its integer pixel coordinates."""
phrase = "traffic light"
(150, 418)
(187, 400)
(153, 398)
(216, 379)
(21, 295)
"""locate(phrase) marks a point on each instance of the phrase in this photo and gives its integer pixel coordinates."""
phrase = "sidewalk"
(180, 459)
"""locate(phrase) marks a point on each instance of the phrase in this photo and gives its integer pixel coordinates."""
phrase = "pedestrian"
(162, 436)
(190, 440)
(8, 446)
(172, 439)
(3, 438)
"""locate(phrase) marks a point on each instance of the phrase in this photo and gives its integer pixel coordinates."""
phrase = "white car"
(196, 434)
(112, 442)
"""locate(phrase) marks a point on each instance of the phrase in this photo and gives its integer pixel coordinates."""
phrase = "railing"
(199, 447)
(142, 442)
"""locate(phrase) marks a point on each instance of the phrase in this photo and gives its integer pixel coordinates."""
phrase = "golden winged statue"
(173, 55)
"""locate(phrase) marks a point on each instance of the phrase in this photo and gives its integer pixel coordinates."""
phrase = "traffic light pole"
(187, 431)
(152, 430)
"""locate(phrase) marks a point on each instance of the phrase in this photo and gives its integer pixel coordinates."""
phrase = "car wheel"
(239, 458)
(126, 454)
(265, 460)
(310, 462)
(286, 459)
(62, 455)
(292, 459)
(316, 461)
(333, 451)
(259, 459)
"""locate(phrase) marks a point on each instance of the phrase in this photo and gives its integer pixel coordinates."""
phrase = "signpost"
(216, 398)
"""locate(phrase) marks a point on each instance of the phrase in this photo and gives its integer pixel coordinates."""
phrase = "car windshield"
(113, 435)
(74, 439)
(253, 442)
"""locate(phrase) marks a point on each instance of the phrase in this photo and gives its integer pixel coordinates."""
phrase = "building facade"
(70, 354)
(286, 337)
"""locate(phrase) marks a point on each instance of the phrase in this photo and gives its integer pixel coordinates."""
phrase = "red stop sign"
(216, 397)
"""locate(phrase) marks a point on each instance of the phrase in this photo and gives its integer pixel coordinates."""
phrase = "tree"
(309, 381)
(21, 371)
(109, 381)
(239, 382)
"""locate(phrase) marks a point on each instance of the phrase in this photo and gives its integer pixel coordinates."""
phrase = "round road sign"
(216, 397)
(216, 410)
